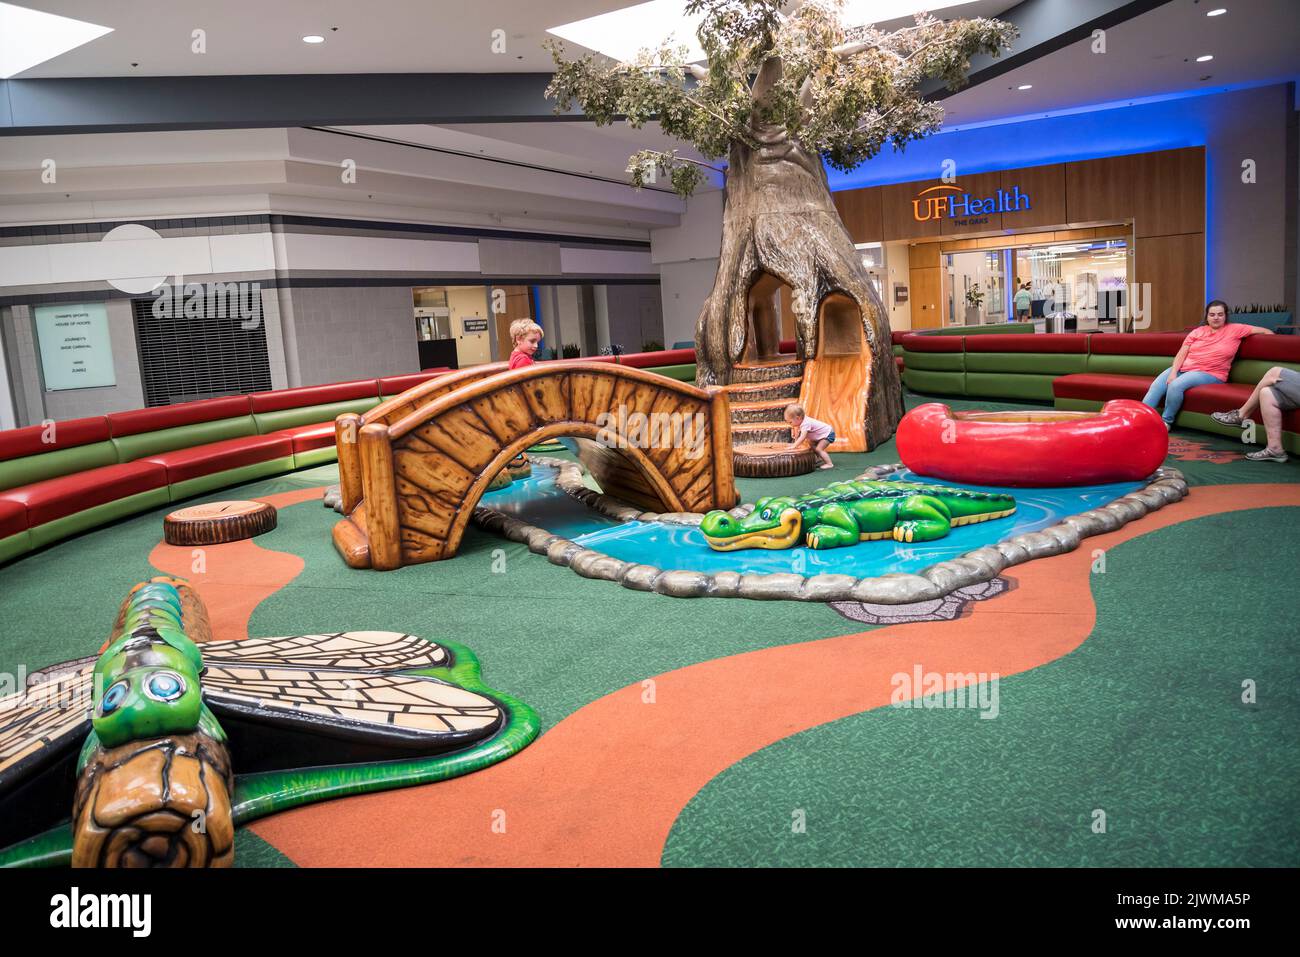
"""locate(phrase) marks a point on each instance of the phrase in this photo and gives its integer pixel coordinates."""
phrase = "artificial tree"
(779, 92)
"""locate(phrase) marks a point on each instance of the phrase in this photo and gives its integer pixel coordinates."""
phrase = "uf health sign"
(76, 352)
(953, 202)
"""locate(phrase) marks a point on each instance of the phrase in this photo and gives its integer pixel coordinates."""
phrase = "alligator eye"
(164, 686)
(766, 513)
(114, 697)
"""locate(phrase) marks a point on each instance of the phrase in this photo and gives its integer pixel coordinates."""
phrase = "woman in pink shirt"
(1206, 356)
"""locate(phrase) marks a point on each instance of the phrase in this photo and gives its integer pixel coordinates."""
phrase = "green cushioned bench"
(92, 444)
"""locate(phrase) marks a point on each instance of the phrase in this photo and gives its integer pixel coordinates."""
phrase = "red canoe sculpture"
(1124, 442)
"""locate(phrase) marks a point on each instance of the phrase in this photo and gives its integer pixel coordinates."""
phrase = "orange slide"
(834, 390)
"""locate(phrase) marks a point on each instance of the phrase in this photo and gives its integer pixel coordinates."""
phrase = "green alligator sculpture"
(846, 513)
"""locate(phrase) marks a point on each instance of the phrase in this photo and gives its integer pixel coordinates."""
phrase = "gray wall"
(569, 316)
(351, 332)
(685, 287)
(315, 334)
(635, 315)
(1246, 249)
(33, 404)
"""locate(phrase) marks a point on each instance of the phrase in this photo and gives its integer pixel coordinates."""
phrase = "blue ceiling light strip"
(1171, 121)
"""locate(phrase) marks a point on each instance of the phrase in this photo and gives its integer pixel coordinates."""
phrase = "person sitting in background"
(806, 431)
(1206, 356)
(1278, 391)
(526, 335)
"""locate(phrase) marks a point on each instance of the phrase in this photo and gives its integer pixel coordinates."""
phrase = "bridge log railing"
(347, 427)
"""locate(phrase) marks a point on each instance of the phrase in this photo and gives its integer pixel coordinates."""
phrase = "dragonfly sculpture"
(154, 719)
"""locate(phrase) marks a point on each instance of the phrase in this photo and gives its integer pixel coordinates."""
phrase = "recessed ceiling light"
(1205, 59)
(1025, 86)
(313, 39)
(33, 36)
(1215, 13)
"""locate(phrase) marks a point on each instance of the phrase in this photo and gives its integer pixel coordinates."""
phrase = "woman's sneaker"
(1266, 455)
(1228, 418)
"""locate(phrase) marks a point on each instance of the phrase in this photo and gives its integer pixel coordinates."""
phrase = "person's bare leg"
(1272, 414)
(1266, 380)
(820, 449)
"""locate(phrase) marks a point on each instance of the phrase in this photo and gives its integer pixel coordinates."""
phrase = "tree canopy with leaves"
(780, 95)
(841, 93)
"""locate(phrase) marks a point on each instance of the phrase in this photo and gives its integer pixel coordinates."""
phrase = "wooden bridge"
(413, 468)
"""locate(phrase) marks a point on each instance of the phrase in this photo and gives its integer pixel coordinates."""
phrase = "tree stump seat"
(771, 460)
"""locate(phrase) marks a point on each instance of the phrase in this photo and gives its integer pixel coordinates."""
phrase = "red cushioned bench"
(85, 472)
(64, 477)
(1124, 366)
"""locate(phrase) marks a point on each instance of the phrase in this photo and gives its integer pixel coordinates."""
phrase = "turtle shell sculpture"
(154, 778)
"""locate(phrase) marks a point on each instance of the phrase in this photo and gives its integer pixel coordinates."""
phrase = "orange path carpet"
(236, 576)
(605, 785)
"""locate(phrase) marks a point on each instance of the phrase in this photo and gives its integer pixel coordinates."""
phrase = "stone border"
(1165, 486)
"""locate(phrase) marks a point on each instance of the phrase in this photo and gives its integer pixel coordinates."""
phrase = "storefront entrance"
(1072, 286)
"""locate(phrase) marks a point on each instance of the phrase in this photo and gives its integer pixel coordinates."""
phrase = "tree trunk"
(779, 219)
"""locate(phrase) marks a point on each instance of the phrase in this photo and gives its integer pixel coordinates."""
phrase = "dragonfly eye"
(114, 697)
(164, 686)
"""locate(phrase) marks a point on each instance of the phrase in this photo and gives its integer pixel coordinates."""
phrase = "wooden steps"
(768, 370)
(763, 433)
(764, 410)
(745, 392)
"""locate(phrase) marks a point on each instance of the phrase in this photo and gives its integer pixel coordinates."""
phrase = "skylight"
(620, 34)
(29, 37)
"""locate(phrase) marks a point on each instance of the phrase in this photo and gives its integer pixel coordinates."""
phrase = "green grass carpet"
(1144, 721)
(559, 641)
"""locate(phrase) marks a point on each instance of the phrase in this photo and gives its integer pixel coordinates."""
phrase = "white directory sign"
(76, 352)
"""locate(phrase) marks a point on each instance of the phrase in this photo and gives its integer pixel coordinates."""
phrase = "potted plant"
(974, 302)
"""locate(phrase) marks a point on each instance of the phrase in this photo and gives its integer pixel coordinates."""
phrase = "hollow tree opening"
(779, 221)
(836, 384)
(767, 313)
(839, 324)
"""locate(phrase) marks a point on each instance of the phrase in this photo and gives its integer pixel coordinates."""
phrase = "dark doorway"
(839, 326)
(764, 306)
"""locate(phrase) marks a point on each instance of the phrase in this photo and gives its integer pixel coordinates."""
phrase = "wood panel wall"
(1161, 194)
(518, 306)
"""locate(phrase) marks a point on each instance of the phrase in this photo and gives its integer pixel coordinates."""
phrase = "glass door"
(1076, 287)
(975, 287)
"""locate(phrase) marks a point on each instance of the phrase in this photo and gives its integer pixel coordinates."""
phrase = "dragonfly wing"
(407, 712)
(45, 721)
(370, 651)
